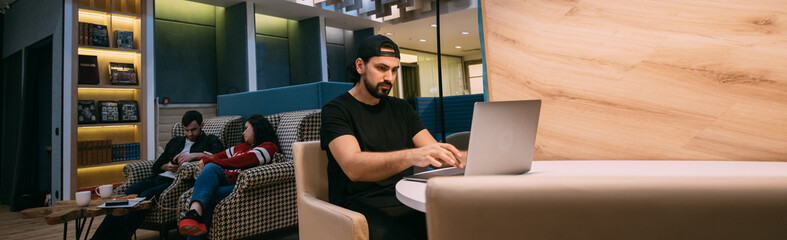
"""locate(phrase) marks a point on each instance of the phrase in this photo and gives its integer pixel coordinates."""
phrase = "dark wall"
(35, 162)
(32, 46)
(273, 62)
(2, 91)
(337, 65)
(235, 79)
(185, 62)
(273, 51)
(337, 62)
(12, 84)
(185, 51)
(305, 60)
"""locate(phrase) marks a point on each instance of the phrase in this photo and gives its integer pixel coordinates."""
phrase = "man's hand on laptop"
(438, 155)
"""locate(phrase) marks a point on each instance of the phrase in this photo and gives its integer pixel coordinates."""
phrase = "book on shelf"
(125, 152)
(106, 153)
(88, 69)
(100, 35)
(93, 152)
(109, 111)
(122, 73)
(129, 111)
(81, 40)
(85, 34)
(86, 111)
(124, 39)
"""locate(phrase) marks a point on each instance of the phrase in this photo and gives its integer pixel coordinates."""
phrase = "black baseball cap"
(370, 47)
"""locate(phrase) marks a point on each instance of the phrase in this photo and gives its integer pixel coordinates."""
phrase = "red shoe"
(192, 224)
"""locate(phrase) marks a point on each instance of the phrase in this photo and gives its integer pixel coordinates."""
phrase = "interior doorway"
(411, 83)
(27, 121)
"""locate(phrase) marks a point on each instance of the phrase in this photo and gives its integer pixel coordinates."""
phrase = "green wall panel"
(186, 11)
(337, 65)
(271, 26)
(273, 62)
(185, 62)
(235, 79)
(305, 60)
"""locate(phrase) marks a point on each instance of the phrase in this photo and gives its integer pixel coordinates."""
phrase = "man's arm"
(423, 138)
(213, 146)
(163, 160)
(377, 166)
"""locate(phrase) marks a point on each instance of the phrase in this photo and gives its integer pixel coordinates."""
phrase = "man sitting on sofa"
(373, 140)
(178, 151)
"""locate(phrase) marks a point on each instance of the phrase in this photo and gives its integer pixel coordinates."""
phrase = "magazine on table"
(122, 202)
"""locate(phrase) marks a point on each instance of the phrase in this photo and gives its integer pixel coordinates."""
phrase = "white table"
(413, 194)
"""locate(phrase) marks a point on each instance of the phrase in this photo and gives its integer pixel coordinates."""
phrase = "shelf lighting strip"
(105, 127)
(93, 14)
(98, 51)
(107, 89)
(125, 18)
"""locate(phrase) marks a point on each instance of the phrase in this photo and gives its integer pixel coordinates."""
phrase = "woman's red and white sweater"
(242, 156)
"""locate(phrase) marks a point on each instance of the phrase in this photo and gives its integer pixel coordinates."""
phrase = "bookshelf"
(99, 149)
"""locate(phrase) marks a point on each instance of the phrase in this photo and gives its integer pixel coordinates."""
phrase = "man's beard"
(376, 91)
(194, 138)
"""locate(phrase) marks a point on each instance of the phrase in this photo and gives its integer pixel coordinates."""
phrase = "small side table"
(65, 211)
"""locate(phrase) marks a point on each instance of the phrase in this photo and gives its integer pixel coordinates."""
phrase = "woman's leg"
(207, 216)
(218, 195)
(209, 180)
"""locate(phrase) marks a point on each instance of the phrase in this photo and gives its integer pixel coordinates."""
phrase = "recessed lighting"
(422, 40)
(389, 33)
(457, 47)
(465, 33)
(433, 25)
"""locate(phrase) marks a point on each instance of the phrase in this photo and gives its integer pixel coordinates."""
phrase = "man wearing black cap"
(373, 140)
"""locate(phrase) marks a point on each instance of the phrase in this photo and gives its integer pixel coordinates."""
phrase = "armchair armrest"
(166, 211)
(265, 175)
(331, 219)
(263, 200)
(184, 179)
(134, 172)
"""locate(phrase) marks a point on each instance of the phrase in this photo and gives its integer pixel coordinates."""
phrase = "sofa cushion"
(309, 128)
(286, 126)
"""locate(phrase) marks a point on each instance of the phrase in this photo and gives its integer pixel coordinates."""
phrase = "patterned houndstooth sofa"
(163, 217)
(264, 198)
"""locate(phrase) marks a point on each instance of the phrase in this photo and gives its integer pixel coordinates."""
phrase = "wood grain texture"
(645, 79)
(15, 226)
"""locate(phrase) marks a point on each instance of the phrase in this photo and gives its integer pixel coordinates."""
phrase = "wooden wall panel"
(645, 79)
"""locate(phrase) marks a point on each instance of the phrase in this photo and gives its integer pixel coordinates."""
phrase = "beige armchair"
(319, 219)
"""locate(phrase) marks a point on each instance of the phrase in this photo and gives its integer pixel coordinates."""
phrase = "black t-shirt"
(388, 126)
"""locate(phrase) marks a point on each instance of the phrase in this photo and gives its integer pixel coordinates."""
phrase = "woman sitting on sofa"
(214, 183)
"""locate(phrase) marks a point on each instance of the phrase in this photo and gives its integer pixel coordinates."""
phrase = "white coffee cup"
(105, 191)
(83, 198)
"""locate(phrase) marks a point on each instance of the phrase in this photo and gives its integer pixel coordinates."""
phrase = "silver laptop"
(502, 140)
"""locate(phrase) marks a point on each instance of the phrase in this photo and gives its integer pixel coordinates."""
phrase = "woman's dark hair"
(263, 130)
